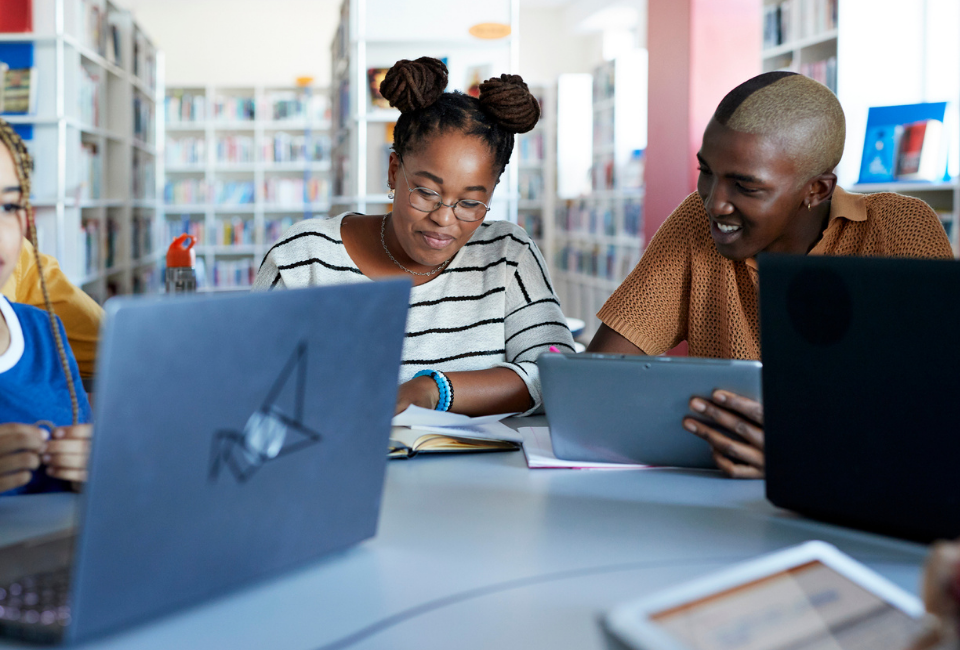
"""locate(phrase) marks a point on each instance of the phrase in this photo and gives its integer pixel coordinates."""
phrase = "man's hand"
(67, 453)
(20, 448)
(744, 417)
(941, 595)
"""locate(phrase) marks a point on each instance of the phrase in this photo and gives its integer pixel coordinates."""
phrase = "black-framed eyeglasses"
(424, 199)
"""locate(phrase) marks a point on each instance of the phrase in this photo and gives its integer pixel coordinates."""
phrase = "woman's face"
(455, 166)
(12, 217)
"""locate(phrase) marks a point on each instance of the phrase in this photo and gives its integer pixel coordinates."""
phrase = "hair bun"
(412, 85)
(510, 103)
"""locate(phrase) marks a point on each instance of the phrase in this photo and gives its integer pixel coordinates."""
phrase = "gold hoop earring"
(809, 207)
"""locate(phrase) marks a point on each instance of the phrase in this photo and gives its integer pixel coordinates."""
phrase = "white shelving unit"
(360, 130)
(242, 165)
(535, 157)
(833, 41)
(94, 140)
(598, 237)
(801, 36)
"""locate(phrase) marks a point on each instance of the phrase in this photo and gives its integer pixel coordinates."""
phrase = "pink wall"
(699, 51)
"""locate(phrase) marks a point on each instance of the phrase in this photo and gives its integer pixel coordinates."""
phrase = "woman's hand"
(737, 458)
(67, 453)
(419, 391)
(941, 595)
(20, 449)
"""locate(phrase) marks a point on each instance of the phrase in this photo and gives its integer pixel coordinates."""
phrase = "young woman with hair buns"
(482, 307)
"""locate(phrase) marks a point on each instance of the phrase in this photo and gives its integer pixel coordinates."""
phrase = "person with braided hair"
(44, 412)
(482, 307)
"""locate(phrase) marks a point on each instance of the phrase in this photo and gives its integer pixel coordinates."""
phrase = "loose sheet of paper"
(487, 427)
(538, 450)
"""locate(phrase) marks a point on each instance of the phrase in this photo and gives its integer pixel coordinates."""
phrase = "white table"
(477, 551)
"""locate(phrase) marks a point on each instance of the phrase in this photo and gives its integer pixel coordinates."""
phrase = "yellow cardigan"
(80, 314)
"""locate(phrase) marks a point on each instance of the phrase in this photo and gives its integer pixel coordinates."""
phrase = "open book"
(421, 431)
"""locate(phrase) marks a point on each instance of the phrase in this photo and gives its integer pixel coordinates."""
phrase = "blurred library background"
(230, 120)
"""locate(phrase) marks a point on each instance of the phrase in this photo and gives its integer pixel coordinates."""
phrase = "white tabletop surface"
(477, 551)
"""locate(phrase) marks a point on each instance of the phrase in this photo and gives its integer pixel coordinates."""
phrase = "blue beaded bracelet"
(443, 385)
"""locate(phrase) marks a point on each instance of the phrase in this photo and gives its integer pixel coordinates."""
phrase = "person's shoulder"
(307, 235)
(32, 319)
(908, 225)
(500, 238)
(892, 206)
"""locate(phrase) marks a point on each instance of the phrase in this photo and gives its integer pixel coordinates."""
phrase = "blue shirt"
(32, 383)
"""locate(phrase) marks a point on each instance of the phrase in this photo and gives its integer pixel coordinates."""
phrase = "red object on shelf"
(16, 16)
(181, 253)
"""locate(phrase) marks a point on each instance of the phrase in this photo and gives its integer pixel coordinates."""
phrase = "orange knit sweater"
(683, 289)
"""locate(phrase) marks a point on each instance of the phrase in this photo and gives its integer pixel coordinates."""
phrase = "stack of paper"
(539, 453)
(487, 427)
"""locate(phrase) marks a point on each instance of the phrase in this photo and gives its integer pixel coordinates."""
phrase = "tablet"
(629, 409)
(808, 597)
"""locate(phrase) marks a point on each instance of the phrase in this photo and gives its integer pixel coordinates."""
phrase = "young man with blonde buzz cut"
(766, 184)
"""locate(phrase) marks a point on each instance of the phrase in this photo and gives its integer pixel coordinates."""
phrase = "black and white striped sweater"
(493, 306)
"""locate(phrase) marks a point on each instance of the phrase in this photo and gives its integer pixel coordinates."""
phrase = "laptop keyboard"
(36, 607)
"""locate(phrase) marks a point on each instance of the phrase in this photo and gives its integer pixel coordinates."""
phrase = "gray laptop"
(236, 437)
(629, 409)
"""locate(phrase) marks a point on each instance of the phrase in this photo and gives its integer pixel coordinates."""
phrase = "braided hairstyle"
(23, 163)
(505, 107)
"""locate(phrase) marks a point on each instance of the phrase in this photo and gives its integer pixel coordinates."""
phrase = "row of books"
(18, 92)
(532, 222)
(276, 191)
(195, 228)
(582, 217)
(604, 82)
(234, 232)
(530, 147)
(233, 192)
(603, 173)
(144, 60)
(824, 71)
(297, 105)
(185, 106)
(791, 20)
(589, 218)
(180, 106)
(90, 168)
(141, 236)
(293, 191)
(143, 117)
(284, 148)
(598, 261)
(234, 273)
(235, 149)
(90, 253)
(144, 176)
(234, 108)
(98, 31)
(89, 97)
(530, 185)
(186, 151)
(227, 234)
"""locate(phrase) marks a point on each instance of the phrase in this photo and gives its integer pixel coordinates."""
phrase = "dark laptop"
(235, 437)
(861, 381)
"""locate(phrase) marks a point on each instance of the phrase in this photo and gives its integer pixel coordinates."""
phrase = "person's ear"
(392, 169)
(820, 189)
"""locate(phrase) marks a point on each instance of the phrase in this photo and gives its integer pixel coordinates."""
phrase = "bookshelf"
(243, 164)
(535, 157)
(93, 134)
(811, 36)
(598, 237)
(361, 131)
(801, 36)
